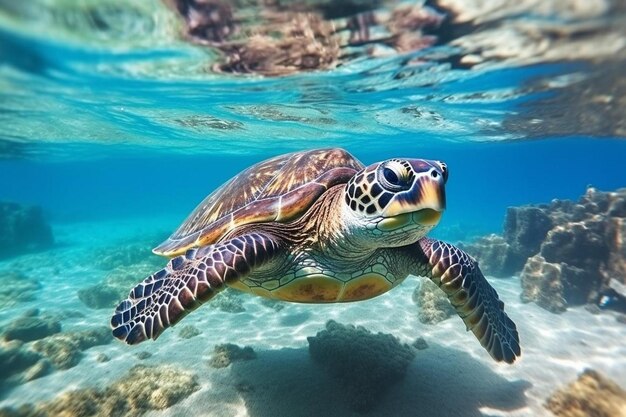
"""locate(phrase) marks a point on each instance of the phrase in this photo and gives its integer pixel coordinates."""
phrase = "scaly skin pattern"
(187, 281)
(356, 240)
(475, 301)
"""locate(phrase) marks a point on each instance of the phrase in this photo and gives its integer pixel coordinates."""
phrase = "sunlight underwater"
(118, 117)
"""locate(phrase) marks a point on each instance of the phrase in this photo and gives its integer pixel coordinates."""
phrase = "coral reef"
(569, 250)
(278, 39)
(592, 394)
(64, 350)
(433, 304)
(365, 364)
(22, 229)
(142, 389)
(31, 327)
(16, 288)
(524, 230)
(224, 355)
(542, 284)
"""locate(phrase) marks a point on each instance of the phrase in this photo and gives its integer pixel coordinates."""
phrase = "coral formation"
(365, 364)
(433, 304)
(592, 394)
(189, 331)
(64, 350)
(142, 389)
(22, 229)
(569, 250)
(542, 284)
(224, 355)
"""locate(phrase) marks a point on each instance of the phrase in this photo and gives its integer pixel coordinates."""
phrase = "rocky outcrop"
(23, 229)
(432, 303)
(16, 288)
(592, 394)
(65, 350)
(567, 252)
(364, 363)
(224, 355)
(524, 230)
(31, 326)
(142, 389)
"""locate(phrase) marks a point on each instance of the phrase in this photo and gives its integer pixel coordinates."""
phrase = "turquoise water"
(117, 127)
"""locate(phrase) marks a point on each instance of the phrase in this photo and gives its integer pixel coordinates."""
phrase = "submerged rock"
(569, 250)
(542, 284)
(142, 389)
(189, 331)
(19, 364)
(364, 363)
(64, 350)
(31, 328)
(420, 343)
(23, 229)
(100, 296)
(592, 394)
(433, 304)
(224, 355)
(16, 288)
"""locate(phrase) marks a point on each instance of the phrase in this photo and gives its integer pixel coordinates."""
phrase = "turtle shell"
(280, 189)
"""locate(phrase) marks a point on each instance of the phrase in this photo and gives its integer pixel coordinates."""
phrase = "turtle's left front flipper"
(474, 299)
(187, 281)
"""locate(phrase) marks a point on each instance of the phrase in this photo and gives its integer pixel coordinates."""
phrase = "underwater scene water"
(118, 118)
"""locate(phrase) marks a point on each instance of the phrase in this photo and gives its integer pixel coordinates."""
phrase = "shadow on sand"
(440, 381)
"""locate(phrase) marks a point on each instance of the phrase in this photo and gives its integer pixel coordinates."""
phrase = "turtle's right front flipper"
(187, 281)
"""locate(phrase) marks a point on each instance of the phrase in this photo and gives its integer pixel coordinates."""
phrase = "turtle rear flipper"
(474, 299)
(187, 281)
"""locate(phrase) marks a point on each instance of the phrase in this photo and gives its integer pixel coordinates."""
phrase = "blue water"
(117, 130)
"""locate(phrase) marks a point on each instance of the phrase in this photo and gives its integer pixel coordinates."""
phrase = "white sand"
(453, 377)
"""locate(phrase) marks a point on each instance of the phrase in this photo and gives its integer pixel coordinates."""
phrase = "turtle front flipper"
(474, 299)
(187, 281)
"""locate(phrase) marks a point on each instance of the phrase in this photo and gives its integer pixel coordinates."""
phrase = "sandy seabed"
(454, 376)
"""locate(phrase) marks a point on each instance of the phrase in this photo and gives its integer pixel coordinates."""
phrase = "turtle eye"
(444, 171)
(394, 176)
(390, 176)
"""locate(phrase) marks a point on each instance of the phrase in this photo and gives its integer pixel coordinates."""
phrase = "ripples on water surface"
(122, 115)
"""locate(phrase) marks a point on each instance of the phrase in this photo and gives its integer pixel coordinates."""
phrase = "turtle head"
(397, 200)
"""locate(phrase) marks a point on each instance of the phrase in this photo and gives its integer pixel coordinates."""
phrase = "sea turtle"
(316, 227)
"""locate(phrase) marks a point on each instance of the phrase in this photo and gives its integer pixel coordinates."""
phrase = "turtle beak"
(426, 200)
